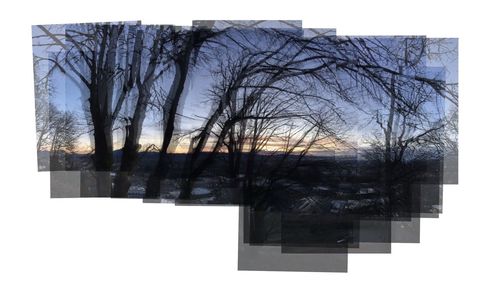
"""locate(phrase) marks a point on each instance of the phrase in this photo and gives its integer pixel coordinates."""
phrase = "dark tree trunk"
(130, 150)
(103, 147)
(174, 97)
(128, 162)
(193, 43)
(193, 172)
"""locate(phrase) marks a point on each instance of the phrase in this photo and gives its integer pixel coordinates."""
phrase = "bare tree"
(44, 110)
(407, 107)
(186, 44)
(157, 53)
(45, 114)
(247, 99)
(65, 133)
(102, 60)
(57, 131)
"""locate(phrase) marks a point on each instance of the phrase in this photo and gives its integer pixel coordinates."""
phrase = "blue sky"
(68, 96)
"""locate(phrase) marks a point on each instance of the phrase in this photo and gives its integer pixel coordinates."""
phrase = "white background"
(106, 251)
